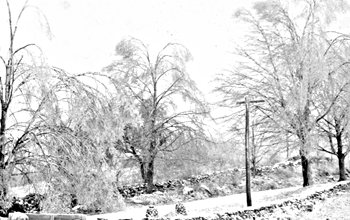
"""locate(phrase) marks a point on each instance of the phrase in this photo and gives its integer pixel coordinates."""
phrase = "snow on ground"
(22, 191)
(223, 204)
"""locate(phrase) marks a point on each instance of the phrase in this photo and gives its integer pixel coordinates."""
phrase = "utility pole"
(247, 148)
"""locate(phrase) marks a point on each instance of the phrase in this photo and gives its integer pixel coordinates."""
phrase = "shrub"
(269, 186)
(284, 173)
(326, 169)
(56, 203)
(90, 188)
(236, 179)
(97, 193)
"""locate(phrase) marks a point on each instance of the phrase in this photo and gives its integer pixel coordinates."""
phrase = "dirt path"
(222, 204)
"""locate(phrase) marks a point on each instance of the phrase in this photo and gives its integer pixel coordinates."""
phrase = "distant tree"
(266, 139)
(283, 62)
(169, 105)
(261, 145)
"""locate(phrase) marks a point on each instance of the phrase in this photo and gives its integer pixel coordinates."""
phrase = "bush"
(90, 189)
(326, 169)
(236, 179)
(56, 203)
(284, 173)
(269, 186)
(97, 194)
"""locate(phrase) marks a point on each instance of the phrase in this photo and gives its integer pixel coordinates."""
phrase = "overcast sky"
(85, 32)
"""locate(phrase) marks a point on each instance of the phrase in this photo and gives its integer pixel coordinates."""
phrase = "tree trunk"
(3, 184)
(253, 153)
(3, 179)
(306, 170)
(143, 171)
(303, 135)
(149, 176)
(305, 163)
(340, 155)
(341, 161)
(3, 170)
(254, 167)
(287, 145)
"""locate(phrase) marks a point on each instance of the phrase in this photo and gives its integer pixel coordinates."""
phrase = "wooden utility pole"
(247, 148)
(247, 154)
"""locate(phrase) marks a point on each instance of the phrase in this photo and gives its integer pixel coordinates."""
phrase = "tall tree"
(283, 62)
(335, 92)
(169, 105)
(41, 108)
(12, 80)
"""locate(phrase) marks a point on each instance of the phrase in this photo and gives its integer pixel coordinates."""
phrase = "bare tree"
(45, 113)
(263, 143)
(283, 62)
(13, 79)
(335, 92)
(157, 85)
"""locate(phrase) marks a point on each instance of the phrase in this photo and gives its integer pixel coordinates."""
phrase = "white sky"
(85, 32)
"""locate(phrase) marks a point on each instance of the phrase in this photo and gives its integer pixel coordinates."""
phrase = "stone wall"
(283, 210)
(31, 203)
(134, 190)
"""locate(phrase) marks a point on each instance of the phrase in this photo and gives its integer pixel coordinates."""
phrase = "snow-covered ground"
(22, 191)
(223, 204)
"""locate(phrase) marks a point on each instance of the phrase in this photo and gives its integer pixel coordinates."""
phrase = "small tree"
(156, 86)
(260, 145)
